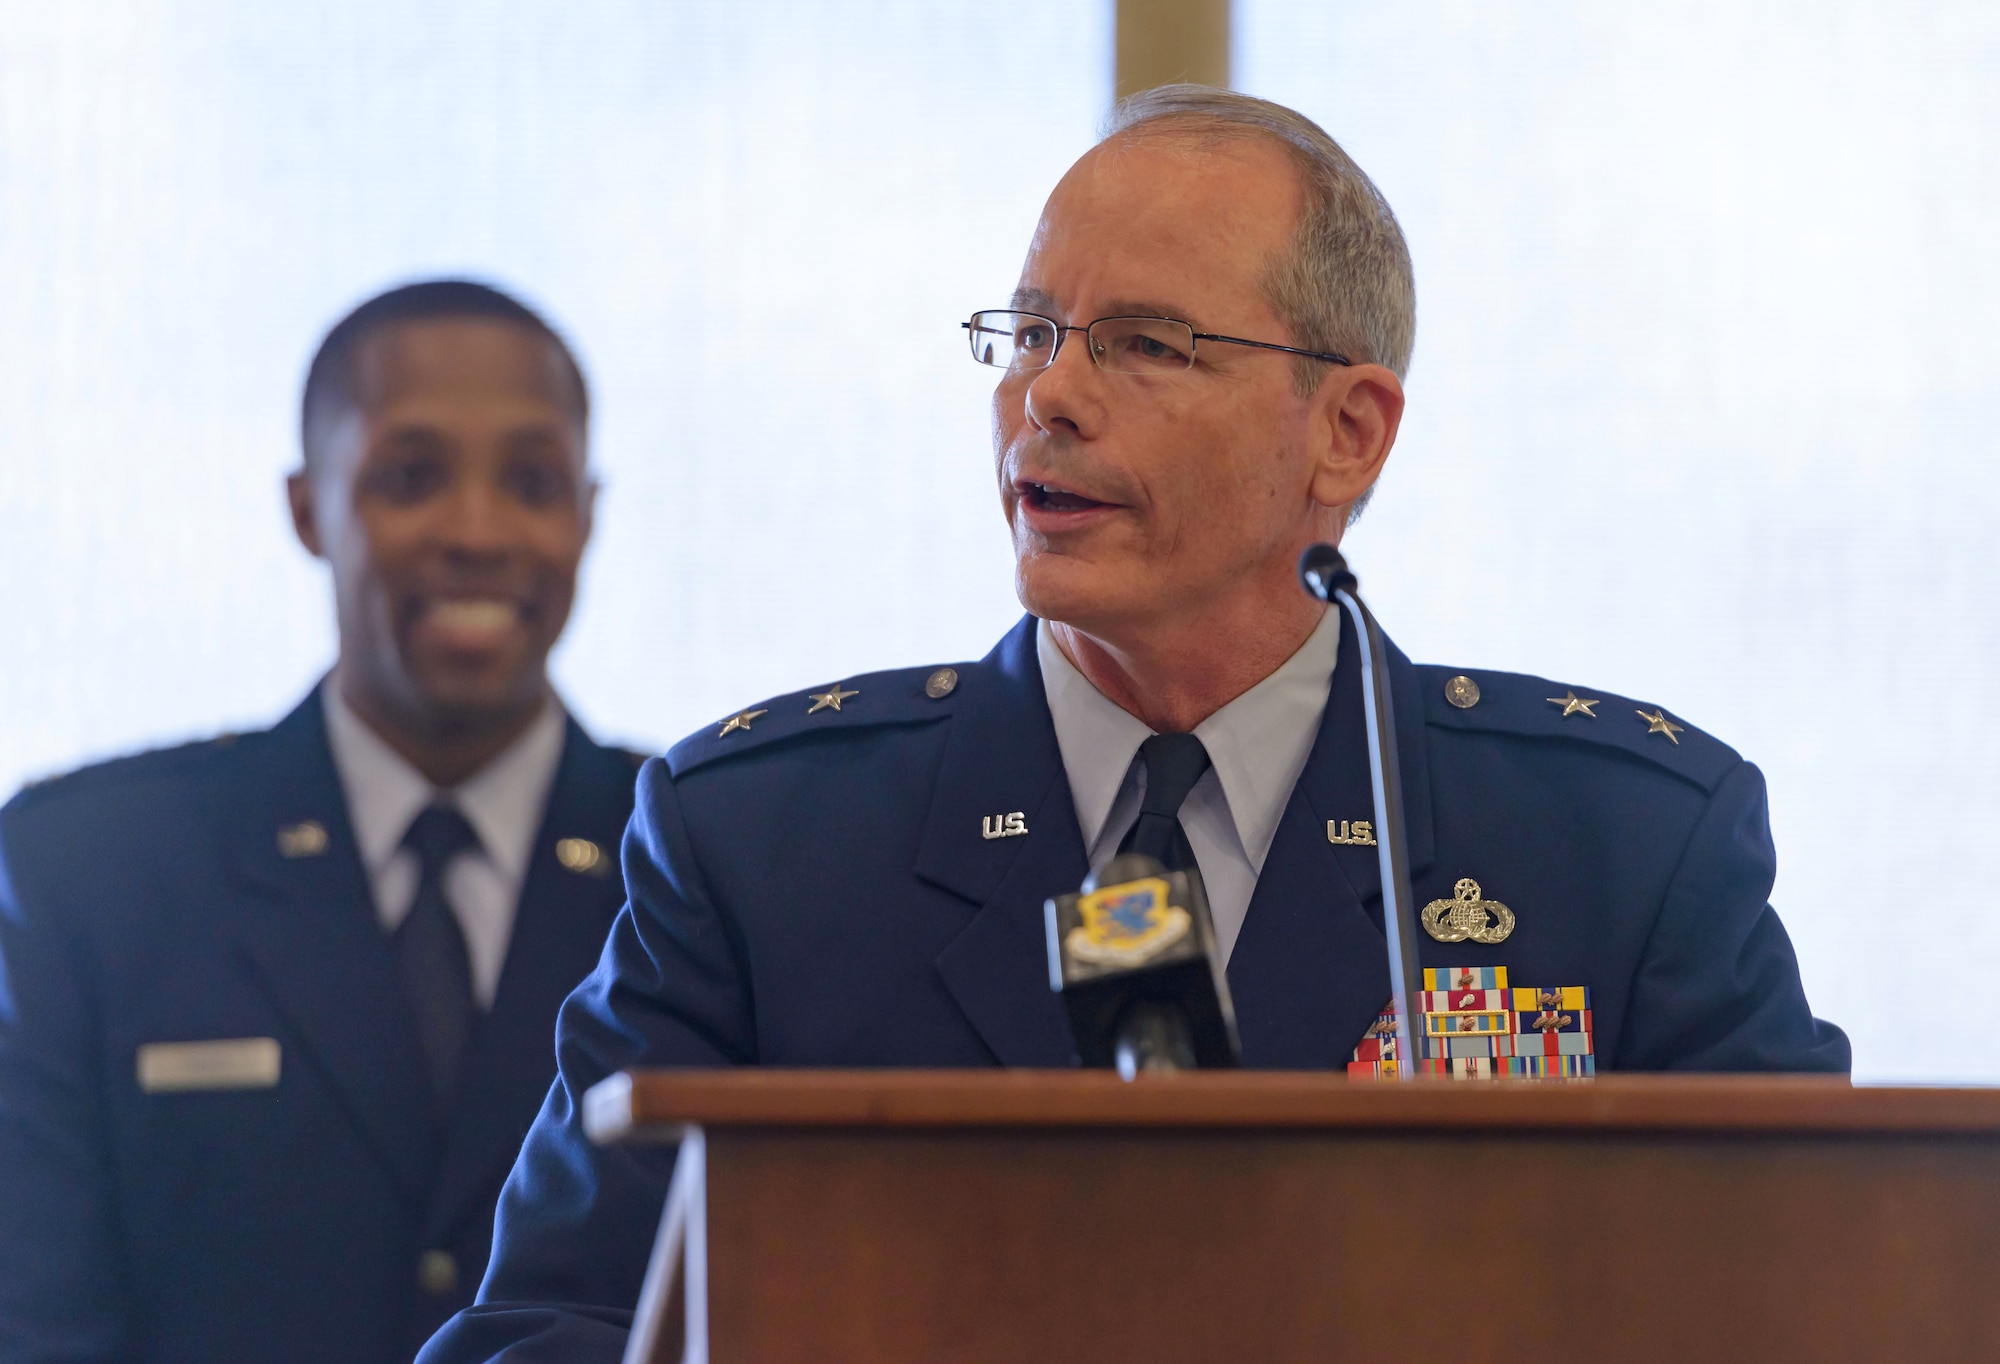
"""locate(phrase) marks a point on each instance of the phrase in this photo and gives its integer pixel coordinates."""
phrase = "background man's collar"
(503, 800)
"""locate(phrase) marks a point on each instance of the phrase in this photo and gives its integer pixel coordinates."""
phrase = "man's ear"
(1356, 415)
(299, 492)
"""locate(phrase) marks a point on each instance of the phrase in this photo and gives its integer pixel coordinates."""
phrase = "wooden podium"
(1058, 1216)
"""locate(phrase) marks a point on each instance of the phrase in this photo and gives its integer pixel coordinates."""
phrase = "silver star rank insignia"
(1572, 704)
(829, 699)
(1658, 723)
(741, 720)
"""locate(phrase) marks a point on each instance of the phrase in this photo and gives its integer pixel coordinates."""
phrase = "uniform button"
(582, 856)
(305, 839)
(1462, 692)
(941, 683)
(437, 1272)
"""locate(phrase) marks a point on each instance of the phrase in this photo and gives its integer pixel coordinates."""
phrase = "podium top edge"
(657, 1105)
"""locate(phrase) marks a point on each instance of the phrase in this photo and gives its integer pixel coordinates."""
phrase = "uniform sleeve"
(576, 1222)
(1718, 988)
(60, 1292)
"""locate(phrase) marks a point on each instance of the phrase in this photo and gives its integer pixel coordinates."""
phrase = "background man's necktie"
(430, 947)
(1174, 763)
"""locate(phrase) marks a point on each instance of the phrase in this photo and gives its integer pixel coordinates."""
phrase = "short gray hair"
(1346, 285)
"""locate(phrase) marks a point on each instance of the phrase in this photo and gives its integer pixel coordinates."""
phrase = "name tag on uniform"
(226, 1063)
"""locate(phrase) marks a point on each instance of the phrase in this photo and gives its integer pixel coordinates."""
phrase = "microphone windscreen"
(1135, 946)
(1323, 571)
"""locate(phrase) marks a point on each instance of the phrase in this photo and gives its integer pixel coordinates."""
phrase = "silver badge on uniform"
(1468, 915)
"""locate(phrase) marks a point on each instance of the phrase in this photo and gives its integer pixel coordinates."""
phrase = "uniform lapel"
(1310, 970)
(559, 930)
(1000, 758)
(309, 931)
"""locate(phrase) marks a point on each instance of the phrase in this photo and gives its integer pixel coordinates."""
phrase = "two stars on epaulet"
(829, 699)
(940, 684)
(1463, 692)
(1656, 722)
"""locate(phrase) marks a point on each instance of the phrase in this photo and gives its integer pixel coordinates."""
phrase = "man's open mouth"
(475, 615)
(470, 622)
(1049, 497)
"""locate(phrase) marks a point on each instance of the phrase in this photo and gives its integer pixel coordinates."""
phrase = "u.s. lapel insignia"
(1467, 915)
(1004, 826)
(1658, 723)
(741, 720)
(307, 838)
(829, 699)
(582, 856)
(1354, 833)
(1572, 704)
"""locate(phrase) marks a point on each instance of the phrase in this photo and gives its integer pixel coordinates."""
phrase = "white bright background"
(1700, 408)
(1704, 411)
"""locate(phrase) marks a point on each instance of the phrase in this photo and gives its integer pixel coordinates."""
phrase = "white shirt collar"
(1097, 737)
(503, 801)
(1258, 743)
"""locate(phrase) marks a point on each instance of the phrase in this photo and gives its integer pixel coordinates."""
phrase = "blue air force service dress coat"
(284, 1188)
(816, 886)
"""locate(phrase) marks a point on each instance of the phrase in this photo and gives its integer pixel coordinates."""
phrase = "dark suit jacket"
(816, 891)
(152, 900)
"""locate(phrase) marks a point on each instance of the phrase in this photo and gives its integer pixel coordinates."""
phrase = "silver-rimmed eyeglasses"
(1122, 345)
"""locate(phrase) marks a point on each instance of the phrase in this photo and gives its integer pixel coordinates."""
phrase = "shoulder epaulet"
(901, 696)
(1534, 707)
(151, 765)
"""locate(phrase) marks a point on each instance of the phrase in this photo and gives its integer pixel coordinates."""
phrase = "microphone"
(1133, 955)
(1325, 575)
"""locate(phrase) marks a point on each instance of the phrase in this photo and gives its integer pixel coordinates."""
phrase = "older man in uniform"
(275, 1009)
(1200, 375)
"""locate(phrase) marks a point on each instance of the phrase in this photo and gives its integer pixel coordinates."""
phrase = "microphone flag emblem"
(1127, 924)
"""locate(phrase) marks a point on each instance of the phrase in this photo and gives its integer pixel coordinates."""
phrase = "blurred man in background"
(275, 1009)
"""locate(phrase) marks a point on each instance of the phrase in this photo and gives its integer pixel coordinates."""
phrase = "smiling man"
(1199, 375)
(275, 1009)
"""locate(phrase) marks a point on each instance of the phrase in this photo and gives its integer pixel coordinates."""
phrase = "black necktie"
(1174, 763)
(430, 947)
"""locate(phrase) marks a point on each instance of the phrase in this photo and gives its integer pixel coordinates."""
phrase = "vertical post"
(1324, 574)
(670, 1325)
(1399, 924)
(1161, 42)
(694, 1255)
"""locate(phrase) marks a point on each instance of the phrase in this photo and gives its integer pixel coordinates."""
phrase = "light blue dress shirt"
(1258, 745)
